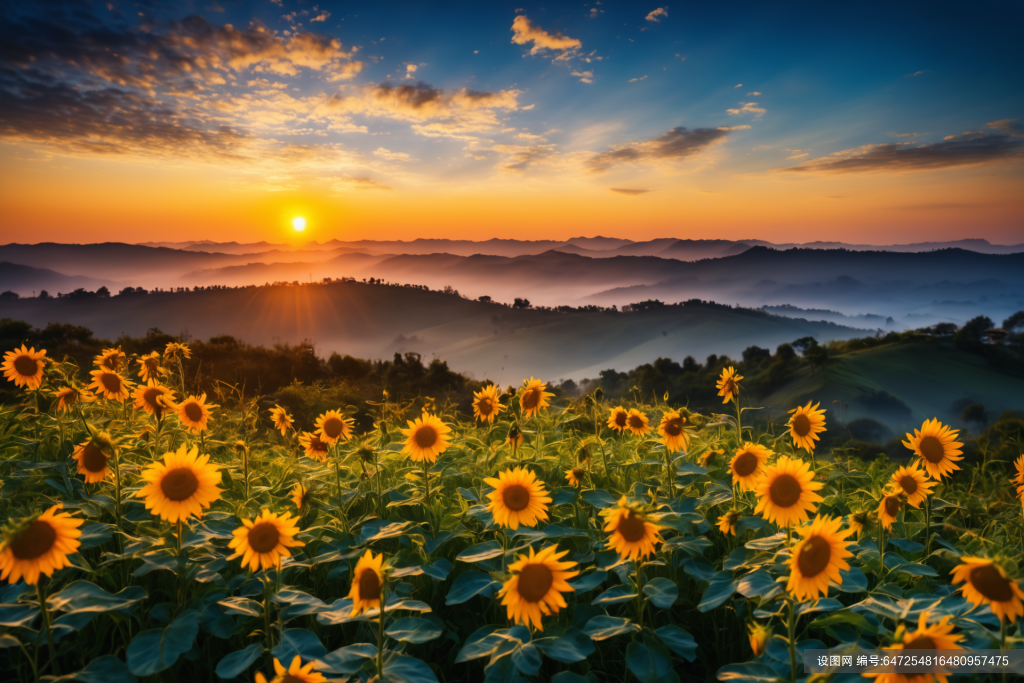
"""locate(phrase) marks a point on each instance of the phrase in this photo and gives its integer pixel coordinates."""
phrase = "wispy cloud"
(584, 76)
(676, 144)
(916, 74)
(748, 108)
(1003, 140)
(628, 191)
(634, 80)
(657, 14)
(753, 94)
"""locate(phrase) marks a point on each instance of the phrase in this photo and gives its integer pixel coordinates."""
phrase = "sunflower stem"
(266, 611)
(117, 499)
(927, 526)
(245, 472)
(639, 594)
(881, 549)
(739, 426)
(41, 594)
(426, 496)
(380, 630)
(792, 640)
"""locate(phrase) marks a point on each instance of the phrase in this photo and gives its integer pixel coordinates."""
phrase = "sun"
(299, 223)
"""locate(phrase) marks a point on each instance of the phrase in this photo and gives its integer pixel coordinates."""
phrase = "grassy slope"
(927, 377)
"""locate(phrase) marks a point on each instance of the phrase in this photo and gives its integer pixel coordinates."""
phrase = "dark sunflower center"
(315, 444)
(636, 422)
(263, 537)
(802, 425)
(111, 382)
(426, 436)
(745, 464)
(920, 643)
(26, 366)
(729, 387)
(288, 678)
(369, 585)
(908, 484)
(193, 411)
(34, 541)
(892, 505)
(631, 527)
(990, 583)
(150, 396)
(535, 581)
(932, 450)
(578, 474)
(674, 427)
(333, 427)
(93, 459)
(516, 497)
(484, 406)
(179, 484)
(531, 398)
(620, 419)
(814, 556)
(785, 491)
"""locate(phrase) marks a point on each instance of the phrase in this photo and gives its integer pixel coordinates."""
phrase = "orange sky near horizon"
(113, 200)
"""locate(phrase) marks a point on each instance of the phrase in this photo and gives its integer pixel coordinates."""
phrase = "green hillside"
(926, 379)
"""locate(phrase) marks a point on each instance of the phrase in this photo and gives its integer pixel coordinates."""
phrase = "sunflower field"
(149, 533)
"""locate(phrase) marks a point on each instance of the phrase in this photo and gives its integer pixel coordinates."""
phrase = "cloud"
(628, 191)
(797, 153)
(410, 70)
(347, 183)
(388, 155)
(738, 85)
(634, 80)
(915, 74)
(748, 108)
(346, 71)
(524, 31)
(1004, 140)
(753, 94)
(521, 157)
(905, 135)
(594, 12)
(323, 16)
(584, 76)
(677, 144)
(654, 15)
(936, 206)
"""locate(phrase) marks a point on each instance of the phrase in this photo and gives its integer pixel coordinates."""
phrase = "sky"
(874, 123)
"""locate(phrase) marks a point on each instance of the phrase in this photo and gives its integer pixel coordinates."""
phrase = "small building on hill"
(995, 335)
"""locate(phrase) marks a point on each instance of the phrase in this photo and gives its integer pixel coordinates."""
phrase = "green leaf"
(469, 584)
(589, 581)
(243, 606)
(299, 641)
(574, 646)
(604, 627)
(845, 616)
(718, 591)
(402, 669)
(662, 592)
(157, 649)
(679, 641)
(349, 659)
(649, 662)
(748, 672)
(18, 616)
(414, 630)
(758, 584)
(83, 596)
(105, 669)
(237, 663)
(526, 658)
(616, 594)
(480, 552)
(569, 677)
(599, 499)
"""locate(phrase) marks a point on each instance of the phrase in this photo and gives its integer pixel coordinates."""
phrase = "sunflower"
(314, 447)
(264, 541)
(748, 464)
(154, 398)
(367, 581)
(729, 384)
(282, 420)
(515, 437)
(859, 520)
(759, 636)
(533, 397)
(937, 447)
(817, 559)
(38, 545)
(426, 438)
(518, 498)
(149, 366)
(575, 476)
(92, 457)
(709, 458)
(888, 508)
(617, 418)
(180, 486)
(194, 413)
(536, 587)
(333, 427)
(986, 583)
(110, 385)
(486, 405)
(805, 425)
(1019, 464)
(633, 535)
(69, 396)
(112, 360)
(727, 522)
(913, 482)
(935, 637)
(296, 673)
(637, 423)
(24, 367)
(176, 351)
(301, 496)
(786, 492)
(672, 431)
